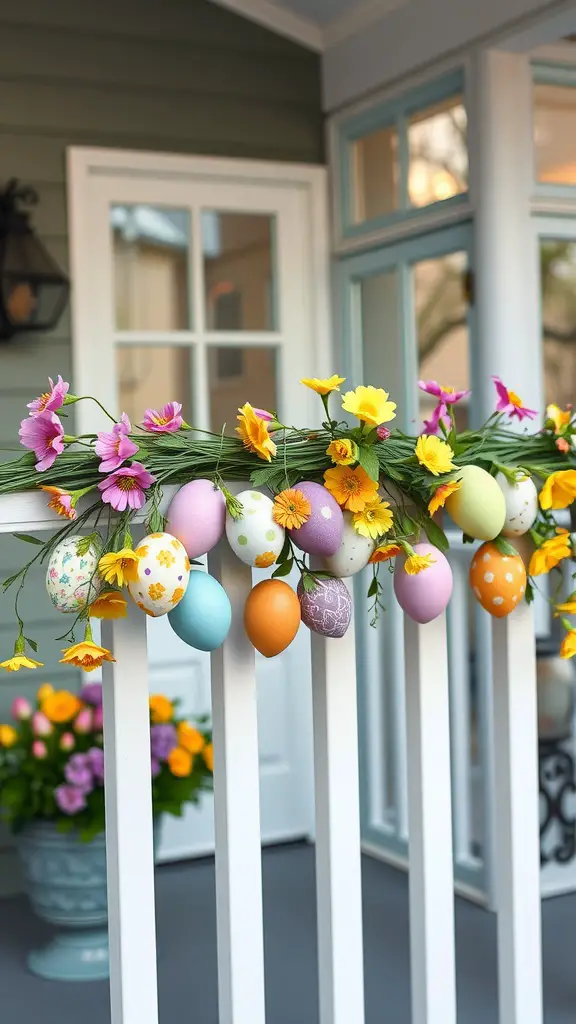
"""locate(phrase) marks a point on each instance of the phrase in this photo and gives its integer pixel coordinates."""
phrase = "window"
(554, 126)
(558, 282)
(404, 155)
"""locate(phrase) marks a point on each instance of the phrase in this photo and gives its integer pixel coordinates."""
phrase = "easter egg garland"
(353, 498)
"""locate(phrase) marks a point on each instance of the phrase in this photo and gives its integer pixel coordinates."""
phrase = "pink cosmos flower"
(67, 741)
(448, 396)
(41, 725)
(39, 750)
(382, 433)
(43, 433)
(21, 709)
(83, 721)
(510, 403)
(167, 421)
(126, 487)
(115, 446)
(51, 400)
(440, 415)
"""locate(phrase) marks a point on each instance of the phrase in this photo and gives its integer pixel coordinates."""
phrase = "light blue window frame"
(393, 113)
(553, 74)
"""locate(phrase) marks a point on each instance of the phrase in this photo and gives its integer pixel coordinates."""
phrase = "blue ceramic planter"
(66, 882)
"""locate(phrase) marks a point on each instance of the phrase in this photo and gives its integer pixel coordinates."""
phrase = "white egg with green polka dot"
(254, 536)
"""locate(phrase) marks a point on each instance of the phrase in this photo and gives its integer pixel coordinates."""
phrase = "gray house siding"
(173, 75)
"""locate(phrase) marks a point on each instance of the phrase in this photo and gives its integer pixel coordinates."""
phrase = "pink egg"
(424, 596)
(197, 517)
(322, 533)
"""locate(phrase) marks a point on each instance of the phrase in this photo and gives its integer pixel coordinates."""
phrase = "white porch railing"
(133, 982)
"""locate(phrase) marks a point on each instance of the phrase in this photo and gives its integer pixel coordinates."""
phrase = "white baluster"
(237, 807)
(430, 824)
(338, 869)
(517, 841)
(129, 842)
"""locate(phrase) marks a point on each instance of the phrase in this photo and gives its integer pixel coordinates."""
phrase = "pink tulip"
(98, 718)
(39, 750)
(83, 722)
(67, 741)
(21, 709)
(41, 726)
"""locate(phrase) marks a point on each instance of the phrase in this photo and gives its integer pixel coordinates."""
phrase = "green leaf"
(529, 592)
(261, 477)
(466, 539)
(284, 569)
(407, 525)
(369, 461)
(83, 544)
(504, 546)
(308, 582)
(436, 535)
(28, 539)
(373, 588)
(286, 550)
(32, 644)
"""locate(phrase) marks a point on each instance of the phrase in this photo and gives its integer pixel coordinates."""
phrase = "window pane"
(438, 153)
(558, 276)
(555, 133)
(239, 271)
(236, 376)
(381, 337)
(441, 308)
(375, 174)
(150, 248)
(150, 376)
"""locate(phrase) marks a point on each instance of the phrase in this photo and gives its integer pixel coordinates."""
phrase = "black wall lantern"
(33, 289)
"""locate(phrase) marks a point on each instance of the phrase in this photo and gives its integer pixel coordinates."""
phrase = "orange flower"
(86, 655)
(265, 560)
(438, 499)
(562, 444)
(385, 553)
(110, 605)
(291, 509)
(161, 709)
(61, 502)
(119, 567)
(190, 738)
(352, 488)
(60, 706)
(208, 755)
(254, 433)
(180, 762)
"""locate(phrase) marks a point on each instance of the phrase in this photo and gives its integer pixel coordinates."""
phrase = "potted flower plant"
(52, 796)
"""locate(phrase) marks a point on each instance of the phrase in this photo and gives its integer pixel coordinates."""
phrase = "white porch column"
(506, 258)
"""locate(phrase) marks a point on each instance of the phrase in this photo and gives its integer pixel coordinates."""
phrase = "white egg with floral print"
(254, 536)
(162, 574)
(71, 577)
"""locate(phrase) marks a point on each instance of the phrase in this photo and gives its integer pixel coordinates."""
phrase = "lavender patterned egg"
(327, 609)
(162, 574)
(71, 579)
(322, 533)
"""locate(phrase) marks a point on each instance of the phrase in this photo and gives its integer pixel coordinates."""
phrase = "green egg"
(478, 507)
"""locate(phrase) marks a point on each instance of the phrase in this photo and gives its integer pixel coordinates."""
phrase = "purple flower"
(167, 421)
(70, 800)
(79, 773)
(162, 741)
(126, 487)
(449, 396)
(96, 761)
(51, 400)
(44, 435)
(115, 446)
(155, 767)
(91, 693)
(98, 722)
(84, 721)
(440, 414)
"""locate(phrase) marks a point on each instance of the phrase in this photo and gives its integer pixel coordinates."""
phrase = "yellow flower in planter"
(60, 706)
(180, 762)
(161, 709)
(45, 690)
(189, 738)
(8, 736)
(208, 755)
(370, 405)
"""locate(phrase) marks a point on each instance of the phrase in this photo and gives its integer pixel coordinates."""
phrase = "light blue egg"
(203, 616)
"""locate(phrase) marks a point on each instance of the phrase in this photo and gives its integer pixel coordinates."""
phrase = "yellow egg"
(498, 581)
(478, 507)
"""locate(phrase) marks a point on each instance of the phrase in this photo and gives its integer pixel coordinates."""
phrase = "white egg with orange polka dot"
(497, 580)
(162, 574)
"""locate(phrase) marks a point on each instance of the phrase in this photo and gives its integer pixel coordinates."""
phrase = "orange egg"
(498, 581)
(271, 617)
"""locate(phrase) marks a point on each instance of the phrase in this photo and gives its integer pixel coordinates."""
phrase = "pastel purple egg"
(197, 517)
(424, 596)
(322, 533)
(327, 609)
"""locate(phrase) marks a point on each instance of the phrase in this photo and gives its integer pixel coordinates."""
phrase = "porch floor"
(187, 951)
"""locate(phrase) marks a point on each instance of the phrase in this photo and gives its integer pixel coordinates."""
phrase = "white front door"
(204, 281)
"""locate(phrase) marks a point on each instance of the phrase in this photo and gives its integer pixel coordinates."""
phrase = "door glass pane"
(558, 278)
(150, 252)
(375, 174)
(441, 308)
(554, 117)
(438, 153)
(238, 375)
(239, 271)
(381, 335)
(149, 376)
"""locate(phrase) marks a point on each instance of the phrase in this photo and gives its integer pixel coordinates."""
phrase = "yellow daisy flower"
(374, 519)
(417, 563)
(323, 386)
(119, 567)
(342, 451)
(435, 455)
(560, 417)
(559, 490)
(352, 488)
(254, 433)
(291, 509)
(370, 405)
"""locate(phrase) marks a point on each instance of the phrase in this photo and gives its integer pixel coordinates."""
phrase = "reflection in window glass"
(238, 375)
(149, 376)
(375, 174)
(438, 153)
(150, 251)
(554, 116)
(441, 308)
(558, 281)
(381, 336)
(239, 271)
